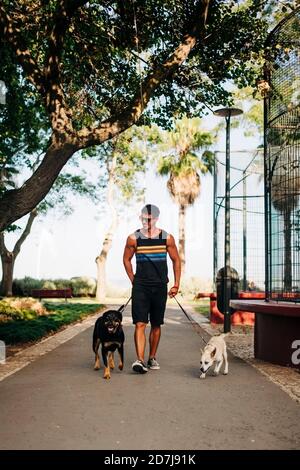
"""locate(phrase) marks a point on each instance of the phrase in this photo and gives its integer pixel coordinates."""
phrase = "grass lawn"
(201, 306)
(23, 331)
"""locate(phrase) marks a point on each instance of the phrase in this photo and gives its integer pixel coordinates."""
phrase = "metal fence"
(282, 160)
(247, 253)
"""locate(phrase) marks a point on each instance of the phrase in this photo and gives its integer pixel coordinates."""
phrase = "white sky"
(63, 247)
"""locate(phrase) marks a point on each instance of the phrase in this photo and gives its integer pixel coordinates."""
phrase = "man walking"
(150, 244)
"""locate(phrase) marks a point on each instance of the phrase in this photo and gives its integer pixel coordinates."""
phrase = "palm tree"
(285, 192)
(179, 159)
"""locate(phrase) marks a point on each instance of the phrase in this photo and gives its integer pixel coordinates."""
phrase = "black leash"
(188, 317)
(186, 314)
(124, 306)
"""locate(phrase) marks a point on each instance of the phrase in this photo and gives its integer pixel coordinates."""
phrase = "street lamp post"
(227, 113)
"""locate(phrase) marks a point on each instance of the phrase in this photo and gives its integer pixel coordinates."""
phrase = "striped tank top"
(151, 258)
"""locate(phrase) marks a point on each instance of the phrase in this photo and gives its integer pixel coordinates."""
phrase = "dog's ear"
(213, 353)
(120, 316)
(201, 351)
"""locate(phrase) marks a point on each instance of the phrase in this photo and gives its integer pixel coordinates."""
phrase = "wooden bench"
(52, 293)
(276, 331)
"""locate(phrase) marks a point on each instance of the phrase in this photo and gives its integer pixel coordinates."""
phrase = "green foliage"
(24, 286)
(129, 152)
(251, 120)
(32, 329)
(108, 51)
(203, 307)
(69, 183)
(49, 285)
(100, 65)
(7, 312)
(178, 149)
(81, 286)
(24, 126)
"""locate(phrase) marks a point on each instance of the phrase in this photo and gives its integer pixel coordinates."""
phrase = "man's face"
(148, 221)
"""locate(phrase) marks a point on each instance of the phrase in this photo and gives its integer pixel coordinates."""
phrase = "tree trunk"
(8, 258)
(8, 261)
(287, 252)
(107, 243)
(101, 276)
(181, 244)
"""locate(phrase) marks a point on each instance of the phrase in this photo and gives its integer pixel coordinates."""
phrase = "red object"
(239, 317)
(52, 293)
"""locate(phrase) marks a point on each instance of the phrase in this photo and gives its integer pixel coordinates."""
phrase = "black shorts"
(149, 301)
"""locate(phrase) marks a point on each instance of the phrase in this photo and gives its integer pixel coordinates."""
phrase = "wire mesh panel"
(247, 252)
(282, 139)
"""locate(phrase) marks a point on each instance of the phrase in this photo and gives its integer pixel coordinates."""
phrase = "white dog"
(214, 353)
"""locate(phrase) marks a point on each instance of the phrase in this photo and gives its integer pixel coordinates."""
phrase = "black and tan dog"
(109, 333)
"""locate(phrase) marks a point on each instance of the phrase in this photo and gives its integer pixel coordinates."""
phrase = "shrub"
(9, 312)
(62, 283)
(27, 303)
(83, 286)
(49, 285)
(24, 286)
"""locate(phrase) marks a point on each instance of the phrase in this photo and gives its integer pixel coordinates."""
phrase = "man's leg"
(140, 309)
(157, 311)
(154, 338)
(140, 340)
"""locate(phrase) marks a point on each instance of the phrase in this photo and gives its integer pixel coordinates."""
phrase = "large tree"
(94, 66)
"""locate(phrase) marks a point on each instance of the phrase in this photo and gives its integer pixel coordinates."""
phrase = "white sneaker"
(139, 367)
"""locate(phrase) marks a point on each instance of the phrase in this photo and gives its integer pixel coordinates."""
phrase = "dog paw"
(111, 364)
(225, 372)
(96, 367)
(121, 366)
(106, 374)
(202, 376)
(216, 373)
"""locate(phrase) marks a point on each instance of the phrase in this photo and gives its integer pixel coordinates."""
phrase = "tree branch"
(12, 35)
(25, 233)
(18, 202)
(55, 100)
(116, 124)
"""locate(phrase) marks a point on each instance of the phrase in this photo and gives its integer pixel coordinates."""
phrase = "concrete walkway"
(60, 402)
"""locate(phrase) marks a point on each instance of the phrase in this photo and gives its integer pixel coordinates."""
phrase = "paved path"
(60, 402)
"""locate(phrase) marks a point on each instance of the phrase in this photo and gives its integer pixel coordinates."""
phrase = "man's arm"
(173, 253)
(129, 251)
